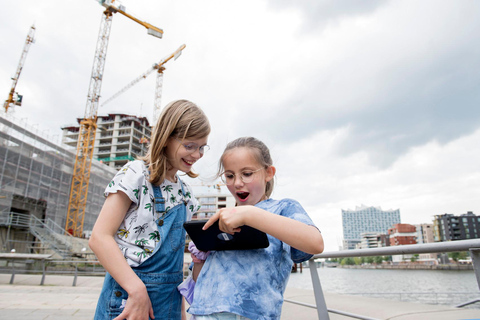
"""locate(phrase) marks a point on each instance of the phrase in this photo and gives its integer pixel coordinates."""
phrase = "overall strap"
(185, 201)
(181, 186)
(183, 191)
(159, 200)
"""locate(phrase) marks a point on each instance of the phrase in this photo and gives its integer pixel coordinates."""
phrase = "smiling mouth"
(243, 195)
(190, 163)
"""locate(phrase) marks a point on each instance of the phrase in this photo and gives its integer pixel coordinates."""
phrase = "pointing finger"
(211, 220)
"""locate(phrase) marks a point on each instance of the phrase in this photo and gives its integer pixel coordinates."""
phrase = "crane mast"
(86, 137)
(159, 83)
(88, 126)
(14, 98)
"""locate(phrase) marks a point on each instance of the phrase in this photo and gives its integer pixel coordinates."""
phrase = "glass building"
(366, 219)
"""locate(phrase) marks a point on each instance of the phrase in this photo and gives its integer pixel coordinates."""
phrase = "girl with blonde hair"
(138, 236)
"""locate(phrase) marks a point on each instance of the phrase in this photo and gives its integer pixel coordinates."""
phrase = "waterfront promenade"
(58, 299)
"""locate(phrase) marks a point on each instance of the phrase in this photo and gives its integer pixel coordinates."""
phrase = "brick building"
(402, 234)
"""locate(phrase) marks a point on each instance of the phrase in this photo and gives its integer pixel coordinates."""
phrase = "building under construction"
(35, 179)
(119, 138)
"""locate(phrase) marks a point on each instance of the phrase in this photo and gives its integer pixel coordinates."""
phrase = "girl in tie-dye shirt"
(249, 284)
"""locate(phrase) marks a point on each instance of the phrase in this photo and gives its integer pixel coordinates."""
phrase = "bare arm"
(197, 267)
(296, 234)
(106, 249)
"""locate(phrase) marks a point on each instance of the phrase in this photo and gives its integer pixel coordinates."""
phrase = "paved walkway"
(58, 299)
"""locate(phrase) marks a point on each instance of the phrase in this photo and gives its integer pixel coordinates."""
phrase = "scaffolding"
(35, 179)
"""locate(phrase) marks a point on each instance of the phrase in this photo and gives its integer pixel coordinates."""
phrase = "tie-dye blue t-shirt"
(250, 283)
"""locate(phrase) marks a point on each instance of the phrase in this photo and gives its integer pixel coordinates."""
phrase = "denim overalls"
(161, 273)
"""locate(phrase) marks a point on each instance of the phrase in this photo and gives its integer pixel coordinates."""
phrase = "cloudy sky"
(361, 102)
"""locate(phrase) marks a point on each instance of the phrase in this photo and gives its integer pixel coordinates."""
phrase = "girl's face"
(182, 155)
(241, 162)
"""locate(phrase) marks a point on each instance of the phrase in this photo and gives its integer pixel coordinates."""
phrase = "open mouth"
(243, 195)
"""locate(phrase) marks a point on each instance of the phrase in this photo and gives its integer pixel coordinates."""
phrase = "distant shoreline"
(455, 267)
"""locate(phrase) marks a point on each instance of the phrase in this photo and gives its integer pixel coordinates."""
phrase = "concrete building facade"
(425, 233)
(372, 240)
(119, 138)
(211, 197)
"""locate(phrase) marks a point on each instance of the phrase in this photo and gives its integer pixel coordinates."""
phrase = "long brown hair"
(260, 152)
(182, 119)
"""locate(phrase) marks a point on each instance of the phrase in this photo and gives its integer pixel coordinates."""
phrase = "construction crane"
(159, 83)
(88, 126)
(13, 97)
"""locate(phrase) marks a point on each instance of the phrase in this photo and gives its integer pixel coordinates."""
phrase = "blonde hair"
(260, 152)
(182, 119)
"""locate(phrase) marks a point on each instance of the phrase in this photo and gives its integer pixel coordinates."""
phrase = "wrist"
(250, 215)
(136, 288)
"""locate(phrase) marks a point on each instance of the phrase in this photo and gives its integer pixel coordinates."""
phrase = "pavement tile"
(58, 299)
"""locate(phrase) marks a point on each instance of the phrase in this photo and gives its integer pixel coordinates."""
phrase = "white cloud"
(429, 180)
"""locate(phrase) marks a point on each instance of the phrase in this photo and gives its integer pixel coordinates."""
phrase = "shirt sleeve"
(130, 180)
(294, 210)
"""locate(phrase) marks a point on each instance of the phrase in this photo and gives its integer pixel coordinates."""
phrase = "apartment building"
(402, 234)
(211, 203)
(372, 240)
(119, 138)
(448, 227)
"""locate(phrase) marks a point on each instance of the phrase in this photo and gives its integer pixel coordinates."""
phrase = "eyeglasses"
(246, 176)
(192, 147)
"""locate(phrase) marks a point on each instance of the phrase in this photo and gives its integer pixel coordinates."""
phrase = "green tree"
(347, 261)
(455, 256)
(378, 259)
(358, 261)
(370, 260)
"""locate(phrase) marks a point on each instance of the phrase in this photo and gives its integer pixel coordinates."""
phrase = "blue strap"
(159, 200)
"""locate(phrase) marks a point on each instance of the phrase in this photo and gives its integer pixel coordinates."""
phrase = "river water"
(449, 287)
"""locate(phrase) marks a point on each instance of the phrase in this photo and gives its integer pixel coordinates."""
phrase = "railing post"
(13, 271)
(475, 253)
(43, 272)
(75, 277)
(318, 292)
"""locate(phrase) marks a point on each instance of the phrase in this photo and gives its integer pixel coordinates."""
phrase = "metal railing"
(439, 247)
(48, 266)
(52, 235)
(49, 233)
(95, 271)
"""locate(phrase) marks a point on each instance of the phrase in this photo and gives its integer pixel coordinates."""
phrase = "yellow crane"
(158, 88)
(88, 126)
(13, 97)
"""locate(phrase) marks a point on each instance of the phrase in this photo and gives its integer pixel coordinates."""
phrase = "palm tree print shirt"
(138, 234)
